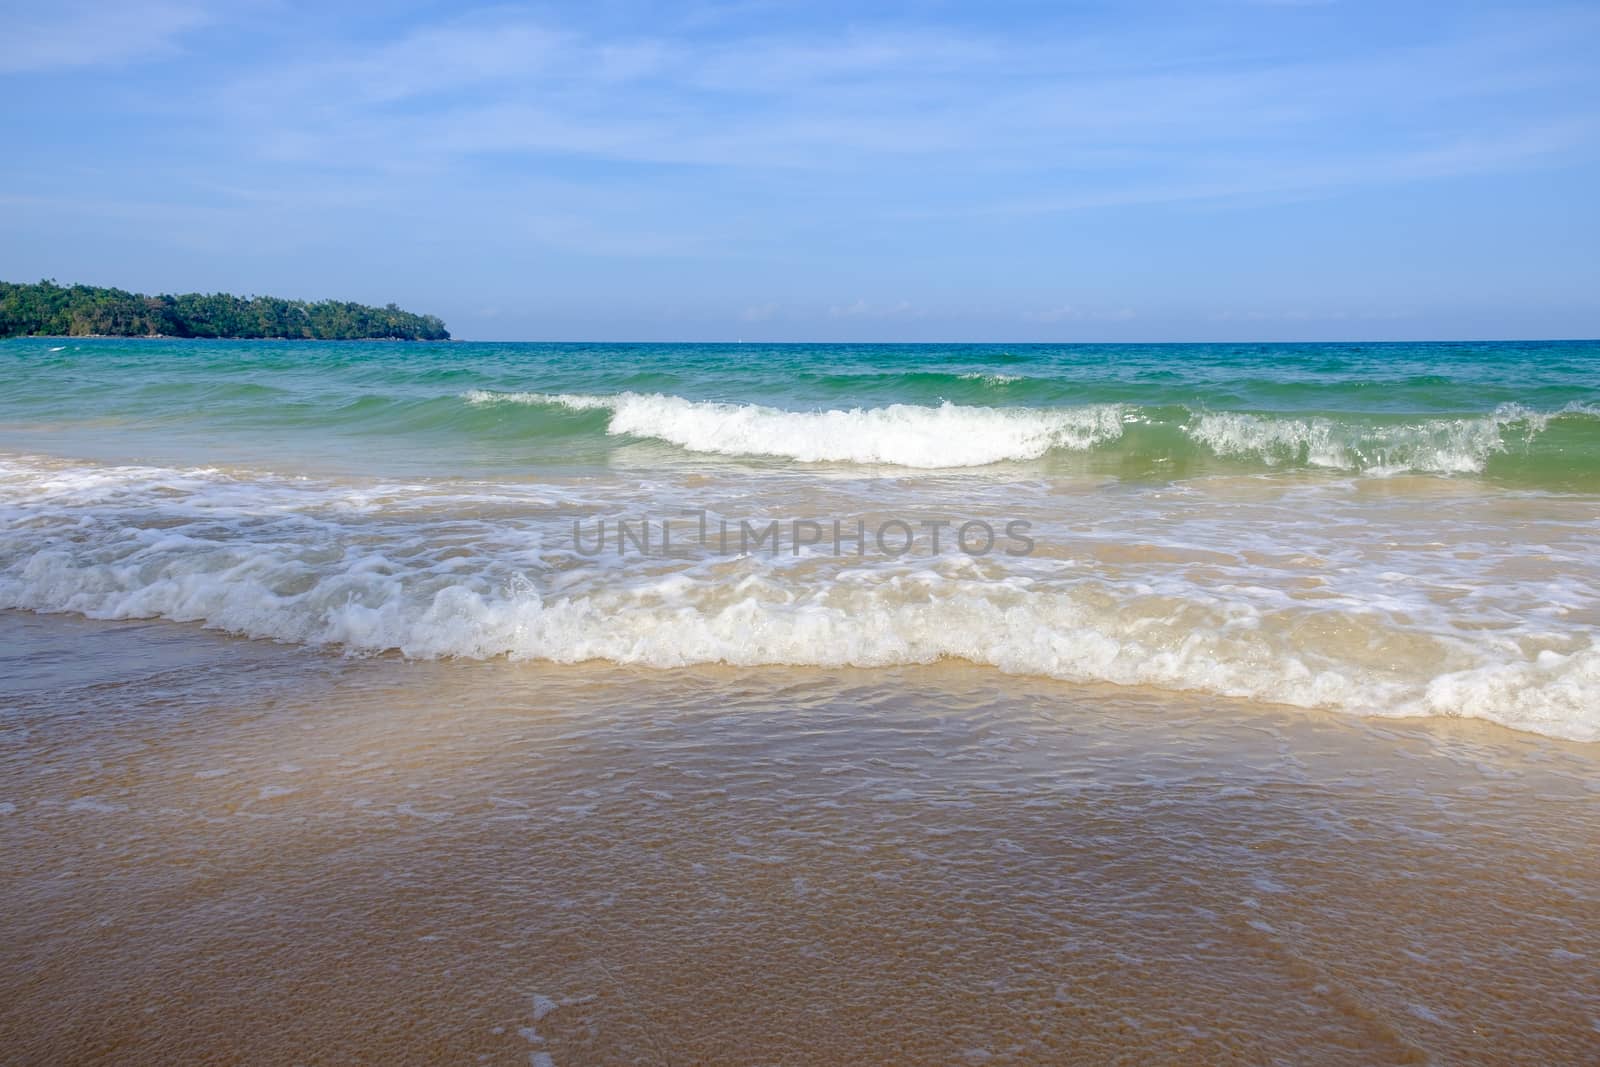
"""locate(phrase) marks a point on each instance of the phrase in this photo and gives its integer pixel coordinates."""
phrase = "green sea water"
(1517, 412)
(1399, 529)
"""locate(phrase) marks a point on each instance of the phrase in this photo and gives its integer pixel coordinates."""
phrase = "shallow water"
(254, 852)
(1402, 530)
(1401, 596)
(971, 704)
(1519, 413)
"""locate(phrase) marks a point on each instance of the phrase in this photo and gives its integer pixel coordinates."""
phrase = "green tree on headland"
(84, 310)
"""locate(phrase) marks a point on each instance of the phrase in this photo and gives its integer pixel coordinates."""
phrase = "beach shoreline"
(1196, 704)
(239, 850)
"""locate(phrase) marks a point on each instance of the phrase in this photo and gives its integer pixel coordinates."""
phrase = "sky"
(743, 170)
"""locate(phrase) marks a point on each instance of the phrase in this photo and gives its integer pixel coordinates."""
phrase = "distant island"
(87, 310)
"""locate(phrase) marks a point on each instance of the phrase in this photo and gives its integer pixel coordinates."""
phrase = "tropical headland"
(50, 309)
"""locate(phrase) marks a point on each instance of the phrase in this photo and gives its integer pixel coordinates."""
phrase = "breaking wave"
(904, 435)
(950, 435)
(1440, 446)
(456, 570)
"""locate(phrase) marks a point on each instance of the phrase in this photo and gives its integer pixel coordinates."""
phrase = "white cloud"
(771, 154)
(1088, 110)
(89, 33)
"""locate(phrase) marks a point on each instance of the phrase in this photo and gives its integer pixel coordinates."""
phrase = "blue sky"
(820, 171)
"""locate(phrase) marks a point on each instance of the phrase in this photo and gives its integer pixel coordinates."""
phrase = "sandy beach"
(799, 535)
(242, 852)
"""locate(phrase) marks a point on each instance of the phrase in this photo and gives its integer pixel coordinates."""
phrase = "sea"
(1403, 530)
(734, 703)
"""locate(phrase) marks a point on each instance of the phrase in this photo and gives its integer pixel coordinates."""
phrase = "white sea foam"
(990, 377)
(384, 568)
(1072, 634)
(951, 435)
(905, 435)
(1553, 693)
(1440, 446)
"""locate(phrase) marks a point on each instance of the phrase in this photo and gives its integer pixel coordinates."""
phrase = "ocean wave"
(905, 435)
(1439, 446)
(949, 435)
(908, 383)
(415, 569)
(991, 378)
(371, 604)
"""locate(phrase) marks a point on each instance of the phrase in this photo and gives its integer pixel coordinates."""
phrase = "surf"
(949, 436)
(1208, 598)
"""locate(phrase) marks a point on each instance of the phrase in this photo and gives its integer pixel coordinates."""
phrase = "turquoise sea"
(1518, 413)
(717, 704)
(1381, 529)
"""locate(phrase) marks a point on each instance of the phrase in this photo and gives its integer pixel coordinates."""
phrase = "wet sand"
(233, 851)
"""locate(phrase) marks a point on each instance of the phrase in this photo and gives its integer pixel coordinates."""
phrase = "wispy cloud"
(87, 33)
(749, 150)
(1071, 122)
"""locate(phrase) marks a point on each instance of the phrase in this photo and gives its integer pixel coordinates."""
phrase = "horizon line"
(791, 342)
(906, 344)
